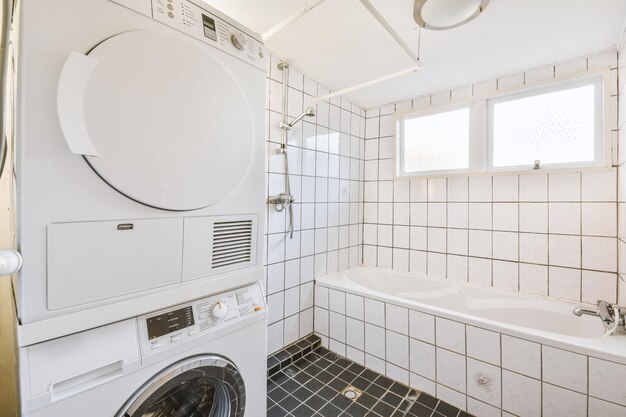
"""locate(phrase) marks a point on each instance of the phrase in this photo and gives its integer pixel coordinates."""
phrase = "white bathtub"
(530, 317)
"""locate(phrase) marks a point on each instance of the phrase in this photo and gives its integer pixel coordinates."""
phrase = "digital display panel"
(209, 27)
(169, 322)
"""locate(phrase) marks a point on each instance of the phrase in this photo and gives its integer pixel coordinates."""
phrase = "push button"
(155, 345)
(257, 308)
(191, 332)
(175, 338)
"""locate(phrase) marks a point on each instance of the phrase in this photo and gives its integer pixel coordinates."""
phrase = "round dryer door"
(201, 386)
(171, 126)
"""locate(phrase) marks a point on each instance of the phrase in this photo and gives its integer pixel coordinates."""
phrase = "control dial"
(238, 41)
(219, 310)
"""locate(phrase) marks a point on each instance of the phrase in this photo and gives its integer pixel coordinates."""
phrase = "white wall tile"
(375, 312)
(533, 217)
(564, 369)
(533, 279)
(505, 275)
(484, 382)
(355, 306)
(558, 402)
(480, 189)
(422, 326)
(599, 186)
(397, 349)
(450, 335)
(480, 216)
(480, 243)
(599, 253)
(521, 356)
(599, 408)
(533, 188)
(564, 187)
(505, 216)
(599, 219)
(422, 384)
(564, 218)
(397, 319)
(451, 370)
(457, 215)
(375, 340)
(607, 380)
(505, 188)
(505, 246)
(599, 286)
(533, 248)
(480, 271)
(483, 345)
(450, 396)
(564, 283)
(521, 395)
(565, 250)
(422, 359)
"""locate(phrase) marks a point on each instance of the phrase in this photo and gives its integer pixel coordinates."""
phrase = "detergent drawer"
(93, 261)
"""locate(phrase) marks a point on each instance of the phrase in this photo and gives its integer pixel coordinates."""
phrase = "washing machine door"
(162, 119)
(200, 386)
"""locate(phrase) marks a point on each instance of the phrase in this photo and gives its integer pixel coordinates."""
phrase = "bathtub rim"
(611, 348)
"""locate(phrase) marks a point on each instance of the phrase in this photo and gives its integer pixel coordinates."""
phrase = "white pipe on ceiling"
(289, 20)
(367, 83)
(385, 25)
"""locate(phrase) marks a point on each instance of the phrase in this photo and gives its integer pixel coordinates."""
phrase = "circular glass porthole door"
(201, 386)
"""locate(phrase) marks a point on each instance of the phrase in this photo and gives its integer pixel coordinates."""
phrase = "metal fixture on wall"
(446, 14)
(286, 200)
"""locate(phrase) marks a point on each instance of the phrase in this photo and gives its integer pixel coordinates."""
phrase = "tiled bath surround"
(478, 370)
(326, 165)
(551, 234)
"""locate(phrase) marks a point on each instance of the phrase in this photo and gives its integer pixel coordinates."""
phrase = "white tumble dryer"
(139, 152)
(203, 358)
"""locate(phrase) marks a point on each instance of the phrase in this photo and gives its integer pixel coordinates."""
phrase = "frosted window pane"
(555, 128)
(437, 142)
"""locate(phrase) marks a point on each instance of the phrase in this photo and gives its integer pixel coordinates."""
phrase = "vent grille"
(232, 243)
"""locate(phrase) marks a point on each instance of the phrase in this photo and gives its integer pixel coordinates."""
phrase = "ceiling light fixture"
(446, 14)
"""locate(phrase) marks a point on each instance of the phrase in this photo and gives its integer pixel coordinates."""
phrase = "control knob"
(219, 310)
(238, 41)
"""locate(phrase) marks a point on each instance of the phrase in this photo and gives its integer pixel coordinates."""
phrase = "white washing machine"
(205, 358)
(139, 152)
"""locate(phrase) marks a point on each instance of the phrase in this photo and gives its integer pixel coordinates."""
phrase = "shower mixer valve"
(281, 201)
(612, 315)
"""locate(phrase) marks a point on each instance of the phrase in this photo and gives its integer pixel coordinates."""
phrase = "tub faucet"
(608, 313)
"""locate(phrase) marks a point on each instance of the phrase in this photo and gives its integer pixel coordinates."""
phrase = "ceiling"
(339, 43)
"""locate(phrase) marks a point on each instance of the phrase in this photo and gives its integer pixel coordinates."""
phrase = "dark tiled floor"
(312, 385)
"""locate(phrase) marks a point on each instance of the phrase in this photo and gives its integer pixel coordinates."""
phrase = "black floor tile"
(276, 411)
(420, 410)
(428, 400)
(383, 409)
(446, 409)
(311, 387)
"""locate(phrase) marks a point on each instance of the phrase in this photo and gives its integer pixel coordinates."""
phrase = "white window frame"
(602, 149)
(481, 135)
(476, 148)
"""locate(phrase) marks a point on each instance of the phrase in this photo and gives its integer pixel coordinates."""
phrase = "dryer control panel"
(210, 28)
(177, 324)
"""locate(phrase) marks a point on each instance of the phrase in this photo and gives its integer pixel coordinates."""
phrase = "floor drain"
(351, 393)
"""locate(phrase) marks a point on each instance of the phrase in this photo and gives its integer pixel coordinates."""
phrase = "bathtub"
(531, 337)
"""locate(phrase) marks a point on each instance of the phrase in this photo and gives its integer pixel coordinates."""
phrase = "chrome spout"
(579, 311)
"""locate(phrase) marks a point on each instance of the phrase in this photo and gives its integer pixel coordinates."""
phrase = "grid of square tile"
(312, 386)
(325, 165)
(485, 372)
(550, 234)
(621, 171)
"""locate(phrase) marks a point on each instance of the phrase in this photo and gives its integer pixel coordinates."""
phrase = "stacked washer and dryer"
(139, 201)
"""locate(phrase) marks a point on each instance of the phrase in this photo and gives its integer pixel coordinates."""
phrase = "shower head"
(309, 112)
